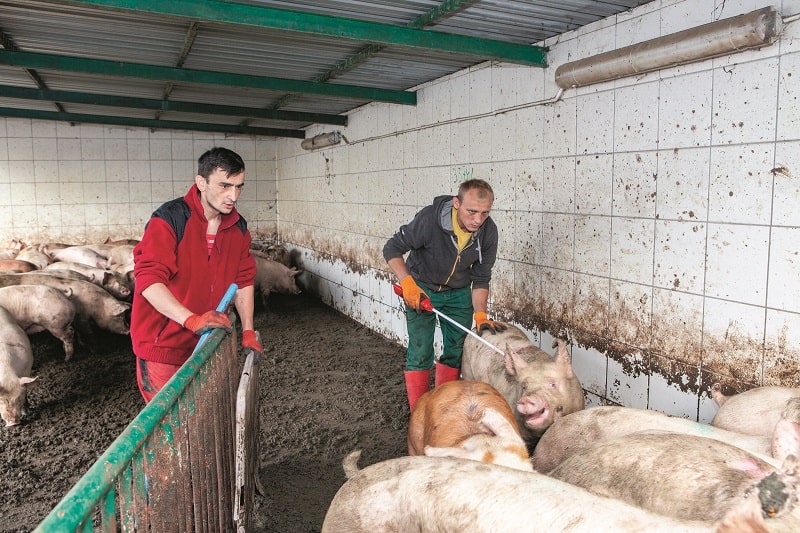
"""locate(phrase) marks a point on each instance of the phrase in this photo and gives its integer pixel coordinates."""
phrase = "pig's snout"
(535, 410)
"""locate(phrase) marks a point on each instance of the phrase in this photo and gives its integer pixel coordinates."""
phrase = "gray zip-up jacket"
(434, 260)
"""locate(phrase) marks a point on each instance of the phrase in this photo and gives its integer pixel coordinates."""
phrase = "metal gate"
(174, 467)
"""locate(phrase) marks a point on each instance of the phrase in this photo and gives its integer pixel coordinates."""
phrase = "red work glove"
(482, 323)
(250, 340)
(207, 321)
(412, 294)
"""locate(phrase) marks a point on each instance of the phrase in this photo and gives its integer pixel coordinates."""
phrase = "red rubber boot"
(418, 382)
(445, 373)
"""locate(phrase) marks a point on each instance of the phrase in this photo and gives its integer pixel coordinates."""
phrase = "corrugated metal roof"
(263, 54)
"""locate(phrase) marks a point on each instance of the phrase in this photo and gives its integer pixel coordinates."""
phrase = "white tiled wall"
(87, 183)
(654, 215)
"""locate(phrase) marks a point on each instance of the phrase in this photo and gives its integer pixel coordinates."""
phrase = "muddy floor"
(328, 386)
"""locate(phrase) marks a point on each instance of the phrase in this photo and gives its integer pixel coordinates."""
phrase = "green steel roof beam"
(429, 18)
(148, 123)
(155, 72)
(9, 91)
(331, 26)
(446, 9)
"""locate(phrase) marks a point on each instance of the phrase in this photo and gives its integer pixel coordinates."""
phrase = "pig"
(437, 494)
(470, 420)
(115, 283)
(272, 276)
(41, 308)
(16, 265)
(92, 304)
(575, 431)
(34, 256)
(275, 252)
(684, 476)
(116, 242)
(754, 412)
(539, 388)
(80, 254)
(120, 254)
(8, 253)
(16, 362)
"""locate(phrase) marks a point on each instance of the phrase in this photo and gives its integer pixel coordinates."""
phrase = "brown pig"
(16, 361)
(578, 430)
(470, 420)
(684, 476)
(16, 265)
(539, 388)
(437, 494)
(41, 308)
(754, 412)
(272, 276)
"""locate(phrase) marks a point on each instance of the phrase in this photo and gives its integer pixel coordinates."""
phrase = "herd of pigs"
(67, 290)
(512, 447)
(509, 447)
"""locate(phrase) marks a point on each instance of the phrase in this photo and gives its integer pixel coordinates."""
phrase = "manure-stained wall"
(652, 219)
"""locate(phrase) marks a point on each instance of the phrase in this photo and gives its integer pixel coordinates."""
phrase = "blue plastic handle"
(224, 303)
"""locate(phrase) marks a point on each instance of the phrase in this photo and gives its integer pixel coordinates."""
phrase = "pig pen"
(328, 385)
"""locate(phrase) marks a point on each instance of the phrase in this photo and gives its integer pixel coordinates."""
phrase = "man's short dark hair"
(224, 159)
(481, 186)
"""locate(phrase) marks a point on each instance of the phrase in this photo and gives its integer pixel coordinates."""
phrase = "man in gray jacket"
(451, 246)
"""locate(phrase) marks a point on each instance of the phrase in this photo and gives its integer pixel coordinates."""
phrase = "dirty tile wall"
(651, 219)
(87, 183)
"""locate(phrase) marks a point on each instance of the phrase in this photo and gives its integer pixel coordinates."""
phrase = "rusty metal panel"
(173, 466)
(247, 457)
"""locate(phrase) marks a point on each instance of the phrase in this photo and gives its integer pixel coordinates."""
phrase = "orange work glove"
(482, 323)
(250, 340)
(207, 321)
(412, 294)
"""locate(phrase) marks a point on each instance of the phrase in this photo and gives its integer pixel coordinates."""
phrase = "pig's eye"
(552, 385)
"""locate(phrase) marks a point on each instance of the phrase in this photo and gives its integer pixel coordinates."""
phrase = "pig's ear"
(26, 380)
(563, 359)
(514, 363)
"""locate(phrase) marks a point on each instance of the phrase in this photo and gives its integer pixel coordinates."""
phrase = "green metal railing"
(172, 468)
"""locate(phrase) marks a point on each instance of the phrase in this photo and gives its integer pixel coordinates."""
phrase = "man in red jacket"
(192, 249)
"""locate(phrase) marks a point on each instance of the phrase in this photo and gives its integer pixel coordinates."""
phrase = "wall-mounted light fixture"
(752, 30)
(322, 140)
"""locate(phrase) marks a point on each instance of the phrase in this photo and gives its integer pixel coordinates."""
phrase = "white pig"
(92, 303)
(578, 430)
(115, 283)
(80, 254)
(41, 308)
(754, 412)
(16, 361)
(442, 494)
(34, 256)
(684, 476)
(272, 276)
(539, 388)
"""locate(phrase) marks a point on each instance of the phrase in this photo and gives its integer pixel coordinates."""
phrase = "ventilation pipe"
(322, 140)
(744, 32)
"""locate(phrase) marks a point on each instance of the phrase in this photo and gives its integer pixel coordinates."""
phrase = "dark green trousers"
(456, 304)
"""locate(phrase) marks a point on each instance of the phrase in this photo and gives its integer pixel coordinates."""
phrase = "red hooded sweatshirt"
(174, 251)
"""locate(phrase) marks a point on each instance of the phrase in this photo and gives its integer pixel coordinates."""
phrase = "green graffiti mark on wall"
(460, 174)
